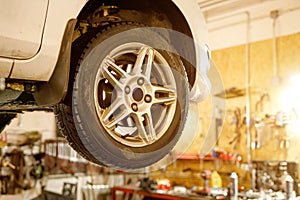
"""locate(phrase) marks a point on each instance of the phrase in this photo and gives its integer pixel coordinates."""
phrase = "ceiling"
(228, 18)
(213, 9)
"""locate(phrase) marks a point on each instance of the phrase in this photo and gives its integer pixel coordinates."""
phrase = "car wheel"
(130, 98)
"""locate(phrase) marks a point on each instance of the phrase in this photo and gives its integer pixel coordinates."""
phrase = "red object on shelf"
(164, 184)
(188, 156)
(193, 156)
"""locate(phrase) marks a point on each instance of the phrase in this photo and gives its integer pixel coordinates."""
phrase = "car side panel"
(21, 29)
(41, 66)
(5, 67)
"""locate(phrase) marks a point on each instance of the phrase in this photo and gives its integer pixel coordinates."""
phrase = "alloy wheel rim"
(135, 94)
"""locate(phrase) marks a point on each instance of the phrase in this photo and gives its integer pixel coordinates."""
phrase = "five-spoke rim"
(135, 94)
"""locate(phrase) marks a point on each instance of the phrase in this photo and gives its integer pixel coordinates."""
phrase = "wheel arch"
(168, 15)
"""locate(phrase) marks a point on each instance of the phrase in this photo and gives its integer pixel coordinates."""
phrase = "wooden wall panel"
(231, 64)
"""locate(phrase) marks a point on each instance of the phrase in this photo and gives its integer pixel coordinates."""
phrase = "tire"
(129, 100)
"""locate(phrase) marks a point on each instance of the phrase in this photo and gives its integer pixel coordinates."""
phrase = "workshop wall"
(276, 141)
(279, 138)
(231, 65)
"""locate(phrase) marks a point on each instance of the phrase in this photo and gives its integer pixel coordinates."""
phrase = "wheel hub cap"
(138, 94)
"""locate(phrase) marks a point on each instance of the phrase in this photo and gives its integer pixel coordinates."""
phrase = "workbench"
(132, 190)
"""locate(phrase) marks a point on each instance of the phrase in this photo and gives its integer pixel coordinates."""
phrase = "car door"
(21, 31)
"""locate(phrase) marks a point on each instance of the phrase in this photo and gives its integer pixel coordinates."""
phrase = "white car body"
(30, 44)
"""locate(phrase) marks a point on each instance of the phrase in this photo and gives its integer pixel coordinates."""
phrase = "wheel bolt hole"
(127, 89)
(148, 98)
(140, 81)
(134, 107)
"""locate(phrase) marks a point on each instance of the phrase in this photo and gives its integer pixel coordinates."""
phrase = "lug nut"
(140, 81)
(148, 98)
(134, 107)
(127, 89)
